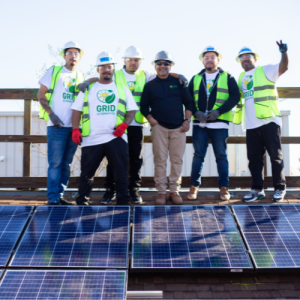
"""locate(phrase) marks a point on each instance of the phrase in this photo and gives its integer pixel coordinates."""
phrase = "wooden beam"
(40, 139)
(147, 182)
(288, 92)
(27, 145)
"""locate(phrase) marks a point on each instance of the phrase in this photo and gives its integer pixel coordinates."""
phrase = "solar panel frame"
(11, 230)
(143, 229)
(110, 235)
(48, 284)
(261, 237)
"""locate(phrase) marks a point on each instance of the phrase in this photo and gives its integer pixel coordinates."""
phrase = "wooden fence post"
(27, 131)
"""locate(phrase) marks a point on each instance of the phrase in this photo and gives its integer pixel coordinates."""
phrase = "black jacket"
(233, 100)
(164, 99)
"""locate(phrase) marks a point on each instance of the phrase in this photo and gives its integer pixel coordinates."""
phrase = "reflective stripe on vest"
(121, 112)
(221, 98)
(140, 81)
(265, 97)
(55, 77)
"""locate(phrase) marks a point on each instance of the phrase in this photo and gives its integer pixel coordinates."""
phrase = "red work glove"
(120, 130)
(76, 136)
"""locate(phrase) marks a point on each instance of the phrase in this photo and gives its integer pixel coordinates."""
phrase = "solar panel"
(13, 219)
(71, 285)
(187, 237)
(78, 236)
(272, 234)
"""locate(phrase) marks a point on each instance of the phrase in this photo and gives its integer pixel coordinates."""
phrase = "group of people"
(106, 115)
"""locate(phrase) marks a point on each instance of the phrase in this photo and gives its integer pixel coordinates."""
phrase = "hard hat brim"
(106, 63)
(133, 57)
(202, 55)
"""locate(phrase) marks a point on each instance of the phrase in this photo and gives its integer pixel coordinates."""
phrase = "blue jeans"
(61, 150)
(218, 138)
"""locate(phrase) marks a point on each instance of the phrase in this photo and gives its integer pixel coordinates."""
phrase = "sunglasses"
(160, 63)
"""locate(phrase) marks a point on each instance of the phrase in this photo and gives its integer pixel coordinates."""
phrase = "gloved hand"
(183, 81)
(83, 86)
(282, 47)
(213, 115)
(56, 120)
(76, 136)
(120, 130)
(201, 116)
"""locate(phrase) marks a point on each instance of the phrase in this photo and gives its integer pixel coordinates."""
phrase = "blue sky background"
(183, 28)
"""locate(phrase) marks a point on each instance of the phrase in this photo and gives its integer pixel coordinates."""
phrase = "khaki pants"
(165, 141)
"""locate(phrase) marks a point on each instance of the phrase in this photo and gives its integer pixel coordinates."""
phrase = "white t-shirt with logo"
(103, 102)
(131, 79)
(210, 80)
(62, 98)
(247, 87)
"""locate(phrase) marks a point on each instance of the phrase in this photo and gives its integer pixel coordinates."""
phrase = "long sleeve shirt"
(165, 100)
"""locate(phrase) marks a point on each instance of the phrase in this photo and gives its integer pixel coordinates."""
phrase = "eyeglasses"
(246, 57)
(71, 53)
(133, 59)
(209, 57)
(110, 67)
(166, 63)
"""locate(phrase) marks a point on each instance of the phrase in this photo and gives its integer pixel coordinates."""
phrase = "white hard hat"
(104, 58)
(163, 55)
(245, 50)
(210, 49)
(133, 52)
(71, 44)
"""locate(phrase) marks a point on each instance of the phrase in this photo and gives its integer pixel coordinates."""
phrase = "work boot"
(54, 202)
(192, 195)
(161, 199)
(176, 199)
(110, 195)
(65, 202)
(135, 196)
(224, 194)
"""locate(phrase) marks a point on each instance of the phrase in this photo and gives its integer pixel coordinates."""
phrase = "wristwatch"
(189, 120)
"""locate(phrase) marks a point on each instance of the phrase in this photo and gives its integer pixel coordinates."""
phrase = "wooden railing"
(41, 182)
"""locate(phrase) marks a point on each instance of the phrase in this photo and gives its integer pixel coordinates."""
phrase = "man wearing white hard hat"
(135, 79)
(262, 119)
(106, 108)
(215, 94)
(56, 95)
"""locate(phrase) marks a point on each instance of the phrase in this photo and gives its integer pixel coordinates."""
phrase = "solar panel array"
(13, 218)
(75, 236)
(186, 237)
(71, 285)
(272, 234)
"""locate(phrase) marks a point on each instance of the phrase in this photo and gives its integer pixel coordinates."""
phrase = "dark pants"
(116, 152)
(135, 144)
(266, 137)
(218, 138)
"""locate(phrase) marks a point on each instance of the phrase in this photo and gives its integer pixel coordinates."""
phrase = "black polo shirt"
(165, 100)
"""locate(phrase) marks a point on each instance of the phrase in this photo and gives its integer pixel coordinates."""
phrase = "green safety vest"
(140, 82)
(55, 76)
(222, 94)
(265, 97)
(121, 112)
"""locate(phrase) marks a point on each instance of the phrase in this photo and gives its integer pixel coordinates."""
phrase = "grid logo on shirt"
(247, 86)
(69, 84)
(106, 96)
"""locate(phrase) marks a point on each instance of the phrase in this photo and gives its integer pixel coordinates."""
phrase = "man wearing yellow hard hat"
(262, 119)
(56, 95)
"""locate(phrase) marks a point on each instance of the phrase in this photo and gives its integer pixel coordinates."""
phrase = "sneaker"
(224, 194)
(161, 199)
(279, 195)
(110, 195)
(65, 202)
(135, 196)
(254, 195)
(54, 202)
(85, 203)
(192, 195)
(175, 197)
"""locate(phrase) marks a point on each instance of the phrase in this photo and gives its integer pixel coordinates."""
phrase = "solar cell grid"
(67, 285)
(272, 234)
(81, 236)
(13, 219)
(186, 237)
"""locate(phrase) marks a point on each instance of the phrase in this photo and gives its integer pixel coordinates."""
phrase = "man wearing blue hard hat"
(262, 118)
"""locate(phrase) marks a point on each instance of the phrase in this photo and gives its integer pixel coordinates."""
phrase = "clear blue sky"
(183, 28)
